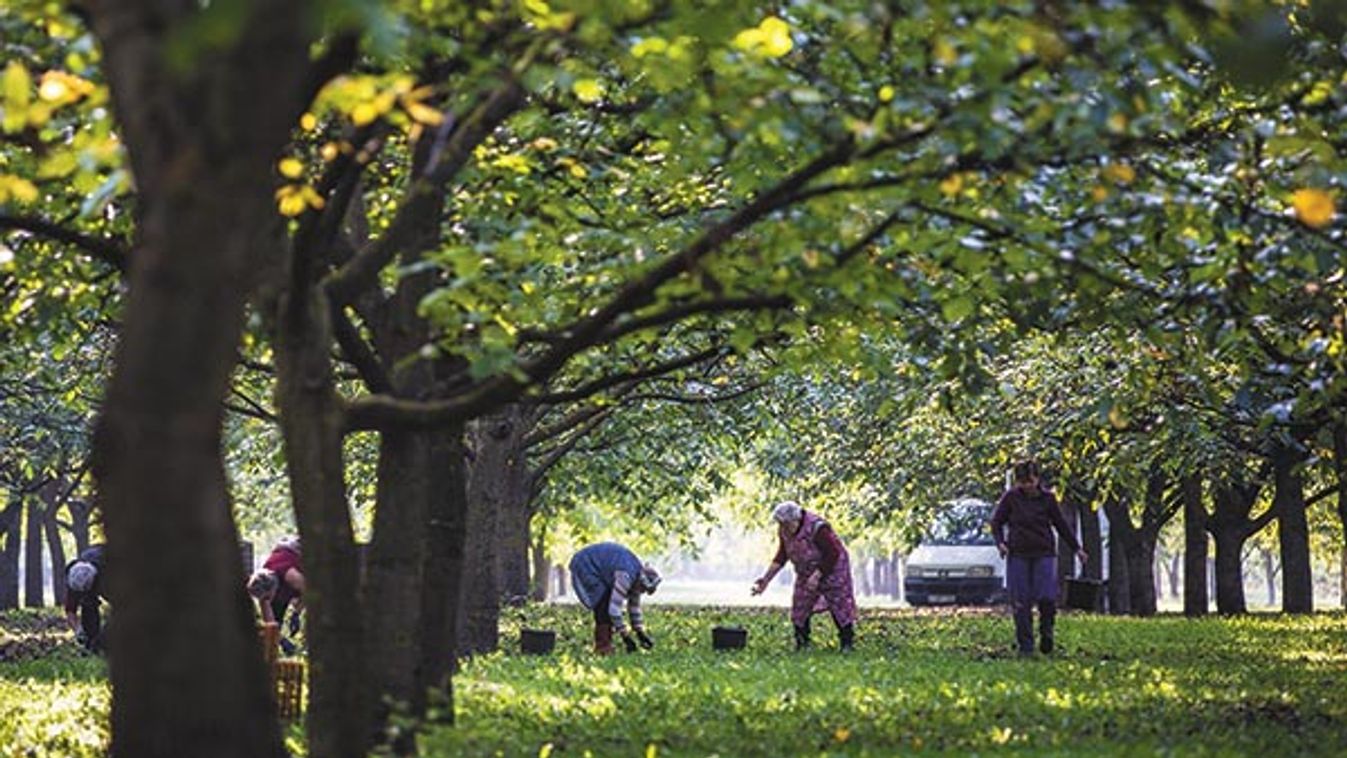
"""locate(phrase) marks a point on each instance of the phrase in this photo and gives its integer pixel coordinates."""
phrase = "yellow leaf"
(578, 171)
(364, 113)
(1117, 123)
(422, 113)
(308, 122)
(545, 751)
(1116, 419)
(17, 84)
(1314, 208)
(776, 37)
(842, 734)
(1099, 192)
(651, 750)
(588, 90)
(291, 168)
(944, 53)
(545, 144)
(329, 151)
(649, 46)
(1120, 173)
(885, 94)
(951, 185)
(19, 189)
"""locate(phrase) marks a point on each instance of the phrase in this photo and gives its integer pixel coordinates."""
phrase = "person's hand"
(1002, 549)
(759, 585)
(812, 582)
(646, 642)
(1083, 556)
(629, 643)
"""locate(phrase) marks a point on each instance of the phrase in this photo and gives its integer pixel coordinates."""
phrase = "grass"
(918, 682)
(933, 683)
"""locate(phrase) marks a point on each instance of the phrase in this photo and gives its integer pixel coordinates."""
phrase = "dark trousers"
(1031, 581)
(601, 607)
(91, 624)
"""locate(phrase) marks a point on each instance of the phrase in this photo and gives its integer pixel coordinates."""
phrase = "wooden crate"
(290, 688)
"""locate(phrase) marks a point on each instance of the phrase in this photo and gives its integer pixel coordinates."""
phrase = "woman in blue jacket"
(606, 577)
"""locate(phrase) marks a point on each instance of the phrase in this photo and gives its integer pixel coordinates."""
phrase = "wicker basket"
(290, 688)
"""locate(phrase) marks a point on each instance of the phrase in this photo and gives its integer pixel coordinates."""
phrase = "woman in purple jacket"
(1030, 513)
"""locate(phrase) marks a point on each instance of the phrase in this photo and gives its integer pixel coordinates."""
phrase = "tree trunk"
(542, 567)
(33, 583)
(1092, 540)
(1229, 572)
(55, 550)
(1141, 574)
(443, 585)
(1121, 538)
(397, 559)
(562, 583)
(80, 514)
(1175, 573)
(1293, 532)
(186, 670)
(1195, 599)
(1066, 557)
(10, 519)
(338, 718)
(895, 574)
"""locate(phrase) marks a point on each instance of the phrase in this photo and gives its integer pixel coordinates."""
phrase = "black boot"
(847, 635)
(802, 636)
(1047, 616)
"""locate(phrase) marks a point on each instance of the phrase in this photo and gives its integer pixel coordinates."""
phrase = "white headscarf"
(650, 577)
(787, 511)
(81, 576)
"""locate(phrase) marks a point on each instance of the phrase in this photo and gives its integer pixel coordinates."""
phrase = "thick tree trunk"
(338, 718)
(186, 670)
(443, 585)
(10, 519)
(397, 559)
(33, 583)
(1066, 557)
(1091, 538)
(1194, 548)
(1141, 574)
(1229, 571)
(1293, 532)
(1121, 551)
(80, 515)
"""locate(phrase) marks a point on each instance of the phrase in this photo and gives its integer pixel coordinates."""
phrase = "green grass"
(53, 699)
(919, 682)
(938, 683)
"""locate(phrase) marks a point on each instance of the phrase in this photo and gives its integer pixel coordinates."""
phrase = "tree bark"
(443, 585)
(1066, 557)
(33, 583)
(1230, 527)
(55, 549)
(1293, 532)
(338, 718)
(1195, 517)
(10, 519)
(1269, 576)
(1121, 532)
(1091, 538)
(202, 144)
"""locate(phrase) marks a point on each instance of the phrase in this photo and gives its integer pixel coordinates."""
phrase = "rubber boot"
(1047, 616)
(603, 638)
(802, 636)
(847, 635)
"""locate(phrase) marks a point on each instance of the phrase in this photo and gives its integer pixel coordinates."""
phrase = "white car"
(957, 562)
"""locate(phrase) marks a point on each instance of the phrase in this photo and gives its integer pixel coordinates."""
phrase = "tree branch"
(105, 249)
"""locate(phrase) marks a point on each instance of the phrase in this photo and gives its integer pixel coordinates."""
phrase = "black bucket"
(728, 637)
(1084, 594)
(537, 641)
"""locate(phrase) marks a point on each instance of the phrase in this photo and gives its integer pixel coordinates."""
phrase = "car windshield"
(962, 523)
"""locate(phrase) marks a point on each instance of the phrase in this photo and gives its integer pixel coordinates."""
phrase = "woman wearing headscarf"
(822, 572)
(607, 576)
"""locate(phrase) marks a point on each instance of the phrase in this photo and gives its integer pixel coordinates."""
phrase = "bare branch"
(108, 250)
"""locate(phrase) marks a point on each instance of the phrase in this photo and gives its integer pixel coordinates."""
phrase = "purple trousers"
(1031, 581)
